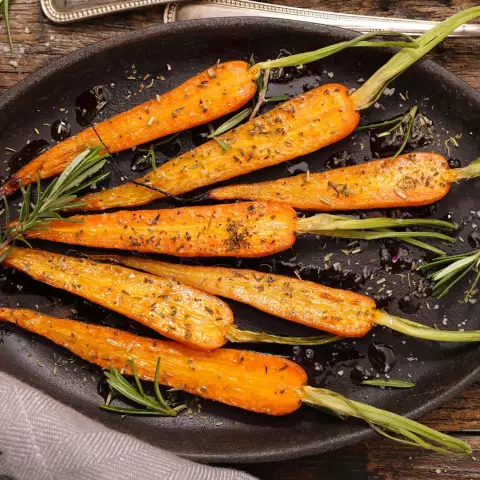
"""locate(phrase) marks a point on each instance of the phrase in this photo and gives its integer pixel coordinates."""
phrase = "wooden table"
(39, 42)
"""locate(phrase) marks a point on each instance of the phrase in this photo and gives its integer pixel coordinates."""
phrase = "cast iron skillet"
(220, 433)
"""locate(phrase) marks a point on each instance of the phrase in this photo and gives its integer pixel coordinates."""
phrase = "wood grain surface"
(39, 42)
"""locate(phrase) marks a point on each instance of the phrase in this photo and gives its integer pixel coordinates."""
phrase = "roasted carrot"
(297, 127)
(168, 307)
(302, 125)
(241, 229)
(224, 375)
(336, 311)
(215, 92)
(406, 181)
(252, 381)
(182, 313)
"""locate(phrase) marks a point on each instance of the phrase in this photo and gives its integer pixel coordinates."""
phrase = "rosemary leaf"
(222, 143)
(231, 123)
(218, 140)
(280, 98)
(388, 383)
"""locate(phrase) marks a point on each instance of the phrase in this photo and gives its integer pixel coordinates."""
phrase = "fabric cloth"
(42, 439)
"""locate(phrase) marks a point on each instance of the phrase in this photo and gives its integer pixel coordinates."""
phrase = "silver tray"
(64, 11)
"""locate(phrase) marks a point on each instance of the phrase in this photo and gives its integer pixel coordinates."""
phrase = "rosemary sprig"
(401, 125)
(153, 405)
(57, 197)
(449, 270)
(6, 20)
(380, 382)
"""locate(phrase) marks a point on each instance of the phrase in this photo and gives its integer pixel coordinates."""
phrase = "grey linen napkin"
(42, 439)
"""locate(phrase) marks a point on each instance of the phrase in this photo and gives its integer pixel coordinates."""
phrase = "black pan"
(219, 433)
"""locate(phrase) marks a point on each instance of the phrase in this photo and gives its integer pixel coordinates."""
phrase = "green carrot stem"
(414, 329)
(360, 41)
(323, 221)
(240, 336)
(424, 246)
(389, 424)
(470, 171)
(342, 226)
(379, 234)
(369, 92)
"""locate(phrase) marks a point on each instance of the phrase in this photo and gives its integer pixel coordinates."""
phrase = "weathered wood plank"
(376, 460)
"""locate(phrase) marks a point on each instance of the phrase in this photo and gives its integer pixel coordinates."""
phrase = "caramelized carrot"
(241, 229)
(166, 306)
(252, 381)
(299, 126)
(217, 91)
(407, 181)
(250, 229)
(336, 311)
(248, 380)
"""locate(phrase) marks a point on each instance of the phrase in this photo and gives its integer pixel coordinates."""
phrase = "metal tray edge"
(83, 13)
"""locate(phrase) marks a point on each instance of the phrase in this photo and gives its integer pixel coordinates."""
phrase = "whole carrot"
(215, 92)
(250, 229)
(299, 126)
(406, 181)
(252, 381)
(183, 313)
(336, 311)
